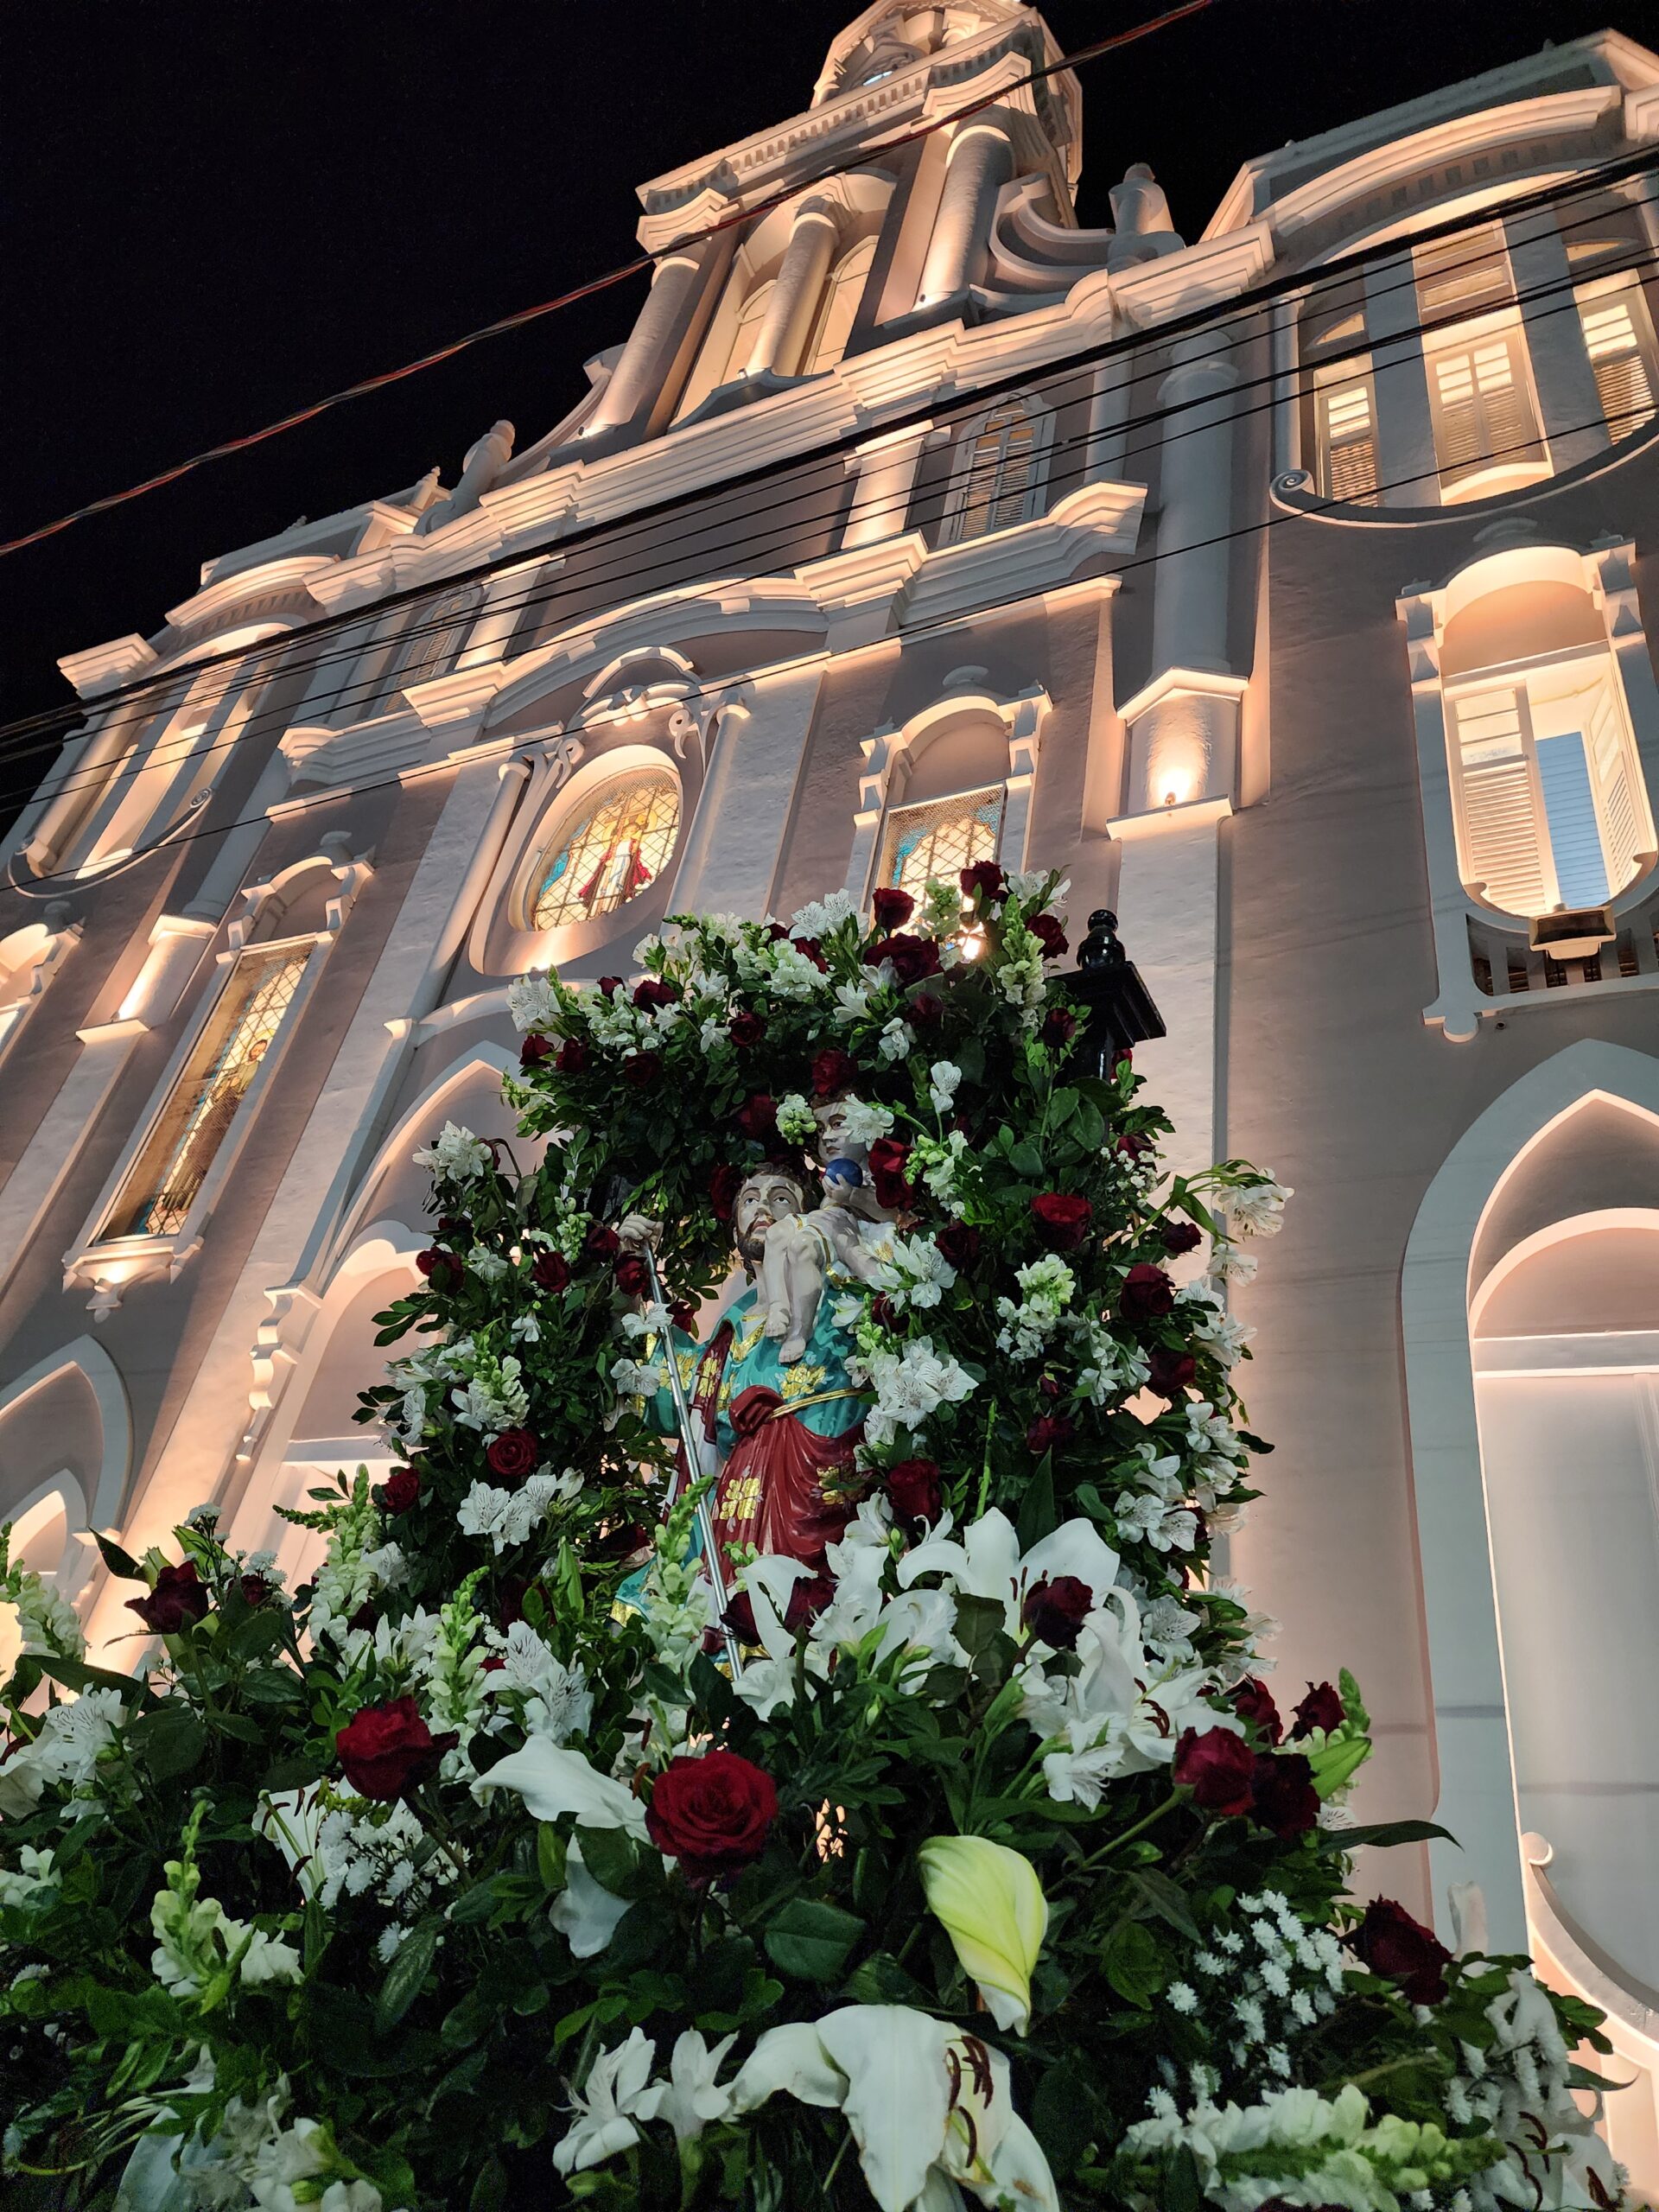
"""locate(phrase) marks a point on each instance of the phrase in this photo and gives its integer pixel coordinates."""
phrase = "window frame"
(1512, 464)
(961, 493)
(893, 814)
(1625, 286)
(569, 807)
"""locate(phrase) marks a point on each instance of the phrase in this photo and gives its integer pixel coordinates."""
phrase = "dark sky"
(215, 211)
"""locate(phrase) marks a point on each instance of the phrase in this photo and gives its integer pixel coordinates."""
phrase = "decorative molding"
(98, 668)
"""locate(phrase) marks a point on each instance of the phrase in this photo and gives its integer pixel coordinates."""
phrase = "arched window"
(1481, 400)
(1001, 467)
(841, 297)
(725, 355)
(1339, 398)
(434, 634)
(612, 847)
(1547, 795)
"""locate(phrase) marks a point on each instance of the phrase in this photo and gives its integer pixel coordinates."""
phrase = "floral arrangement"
(992, 1872)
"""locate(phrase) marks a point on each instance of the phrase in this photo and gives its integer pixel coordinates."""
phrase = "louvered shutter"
(1503, 840)
(1483, 410)
(1001, 473)
(1611, 766)
(1348, 441)
(1623, 383)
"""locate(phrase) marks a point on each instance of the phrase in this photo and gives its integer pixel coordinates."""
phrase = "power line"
(1280, 384)
(602, 283)
(1219, 314)
(937, 628)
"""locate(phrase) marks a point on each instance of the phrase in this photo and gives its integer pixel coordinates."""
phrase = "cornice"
(98, 668)
(1154, 292)
(294, 573)
(468, 543)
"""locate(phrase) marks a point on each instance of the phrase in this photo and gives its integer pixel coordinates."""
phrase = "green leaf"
(812, 1939)
(1026, 1160)
(1039, 1516)
(550, 1856)
(121, 1564)
(1168, 1899)
(1090, 1132)
(1183, 2191)
(1132, 1964)
(1384, 1836)
(408, 1970)
(75, 1674)
(294, 1773)
(880, 1979)
(1063, 2115)
(612, 1858)
(170, 1740)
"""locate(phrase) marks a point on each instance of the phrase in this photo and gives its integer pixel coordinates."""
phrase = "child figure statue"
(801, 1249)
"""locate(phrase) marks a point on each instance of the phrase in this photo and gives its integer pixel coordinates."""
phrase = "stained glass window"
(173, 1163)
(616, 846)
(940, 838)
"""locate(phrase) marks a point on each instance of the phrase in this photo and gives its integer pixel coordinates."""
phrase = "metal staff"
(693, 1469)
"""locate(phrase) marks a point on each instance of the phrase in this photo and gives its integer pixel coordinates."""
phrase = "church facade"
(1288, 588)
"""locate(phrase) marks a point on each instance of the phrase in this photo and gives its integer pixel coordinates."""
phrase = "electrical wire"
(618, 275)
(384, 680)
(941, 627)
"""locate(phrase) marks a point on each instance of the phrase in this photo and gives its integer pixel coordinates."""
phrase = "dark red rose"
(514, 1454)
(365, 1616)
(1254, 1701)
(641, 1070)
(388, 1750)
(1056, 1611)
(178, 1600)
(400, 1489)
(914, 958)
(493, 1664)
(535, 1049)
(1321, 1708)
(724, 1184)
(758, 1118)
(1133, 1145)
(551, 1271)
(682, 1313)
(255, 1589)
(891, 909)
(441, 1268)
(1148, 1293)
(924, 1010)
(888, 1158)
(1389, 1942)
(1218, 1767)
(984, 876)
(1059, 1027)
(1048, 1430)
(775, 933)
(832, 1070)
(653, 993)
(711, 1814)
(603, 1242)
(632, 1276)
(1179, 1237)
(1045, 928)
(1122, 1058)
(746, 1029)
(809, 948)
(454, 1228)
(958, 1242)
(610, 985)
(1283, 1795)
(883, 1312)
(1170, 1371)
(574, 1056)
(917, 1490)
(1062, 1219)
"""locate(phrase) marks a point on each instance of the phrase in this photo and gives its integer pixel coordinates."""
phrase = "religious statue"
(772, 1405)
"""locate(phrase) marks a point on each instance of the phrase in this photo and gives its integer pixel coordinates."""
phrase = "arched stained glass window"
(939, 839)
(608, 852)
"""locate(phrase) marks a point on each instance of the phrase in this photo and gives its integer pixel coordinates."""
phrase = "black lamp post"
(1118, 1007)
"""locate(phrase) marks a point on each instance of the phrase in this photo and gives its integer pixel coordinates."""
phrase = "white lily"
(987, 1562)
(552, 1780)
(693, 2098)
(292, 1820)
(767, 1684)
(615, 2097)
(585, 1912)
(990, 1903)
(929, 2108)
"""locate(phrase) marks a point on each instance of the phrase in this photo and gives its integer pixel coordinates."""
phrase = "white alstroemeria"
(456, 1153)
(770, 1683)
(915, 1273)
(75, 1735)
(943, 1079)
(507, 1516)
(822, 915)
(1141, 1517)
(638, 1379)
(585, 1913)
(896, 1042)
(692, 2099)
(615, 2097)
(1258, 1208)
(852, 1002)
(1079, 1775)
(928, 2107)
(1030, 882)
(1167, 1626)
(987, 1562)
(32, 1873)
(863, 1124)
(1223, 1337)
(1229, 1264)
(553, 1781)
(532, 1003)
(525, 1328)
(911, 1384)
(557, 1702)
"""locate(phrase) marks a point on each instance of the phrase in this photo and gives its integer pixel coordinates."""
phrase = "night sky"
(215, 211)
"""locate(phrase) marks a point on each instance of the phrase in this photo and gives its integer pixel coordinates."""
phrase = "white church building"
(1287, 586)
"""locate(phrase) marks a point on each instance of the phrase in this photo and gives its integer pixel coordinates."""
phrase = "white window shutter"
(1503, 836)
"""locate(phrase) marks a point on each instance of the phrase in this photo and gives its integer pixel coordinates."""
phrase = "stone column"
(887, 471)
(797, 292)
(1407, 474)
(981, 163)
(1195, 498)
(639, 373)
(1569, 406)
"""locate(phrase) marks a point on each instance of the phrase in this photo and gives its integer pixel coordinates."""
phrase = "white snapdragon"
(1258, 1208)
(945, 1166)
(507, 1516)
(494, 1397)
(943, 1078)
(910, 1385)
(456, 1154)
(532, 1003)
(793, 974)
(797, 1122)
(822, 915)
(1047, 1288)
(32, 1873)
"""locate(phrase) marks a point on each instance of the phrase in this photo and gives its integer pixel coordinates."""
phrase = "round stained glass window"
(612, 850)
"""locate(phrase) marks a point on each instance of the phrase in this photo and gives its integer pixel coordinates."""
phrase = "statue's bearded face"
(763, 1199)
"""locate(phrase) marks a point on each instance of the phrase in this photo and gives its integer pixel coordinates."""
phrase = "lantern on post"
(1117, 1008)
